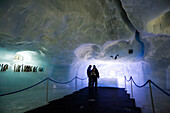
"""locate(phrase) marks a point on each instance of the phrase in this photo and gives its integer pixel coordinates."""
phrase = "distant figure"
(2, 67)
(18, 68)
(35, 68)
(40, 69)
(111, 57)
(89, 75)
(116, 56)
(95, 76)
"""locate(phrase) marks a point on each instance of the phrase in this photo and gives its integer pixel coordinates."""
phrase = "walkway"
(104, 100)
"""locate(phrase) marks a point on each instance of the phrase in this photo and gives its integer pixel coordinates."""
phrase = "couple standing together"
(93, 75)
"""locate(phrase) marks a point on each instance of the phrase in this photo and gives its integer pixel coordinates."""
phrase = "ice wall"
(57, 28)
(141, 12)
(60, 26)
(168, 78)
(66, 36)
(157, 53)
(12, 58)
(112, 72)
(160, 25)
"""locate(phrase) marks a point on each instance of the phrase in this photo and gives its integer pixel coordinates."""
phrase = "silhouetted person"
(40, 69)
(2, 67)
(89, 75)
(95, 76)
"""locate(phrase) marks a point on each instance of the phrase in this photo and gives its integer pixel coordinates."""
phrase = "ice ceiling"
(67, 31)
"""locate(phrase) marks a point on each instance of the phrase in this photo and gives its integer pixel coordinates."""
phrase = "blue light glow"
(12, 58)
(111, 72)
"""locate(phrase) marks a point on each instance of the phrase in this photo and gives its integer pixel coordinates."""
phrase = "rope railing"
(5, 94)
(23, 89)
(138, 85)
(75, 78)
(160, 88)
(62, 82)
(149, 81)
(81, 78)
(146, 84)
(128, 80)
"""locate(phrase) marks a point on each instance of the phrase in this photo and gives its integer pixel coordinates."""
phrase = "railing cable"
(127, 80)
(160, 88)
(146, 84)
(82, 78)
(61, 82)
(23, 89)
(138, 85)
(40, 83)
(149, 81)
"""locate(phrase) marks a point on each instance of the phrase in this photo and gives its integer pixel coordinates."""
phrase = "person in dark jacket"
(89, 75)
(95, 76)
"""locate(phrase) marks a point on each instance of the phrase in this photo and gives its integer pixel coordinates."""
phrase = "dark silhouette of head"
(94, 67)
(90, 66)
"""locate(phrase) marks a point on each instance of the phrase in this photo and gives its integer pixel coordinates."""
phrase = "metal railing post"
(151, 96)
(81, 83)
(131, 87)
(47, 92)
(125, 82)
(76, 83)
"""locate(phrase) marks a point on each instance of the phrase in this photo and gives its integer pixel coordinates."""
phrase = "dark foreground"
(104, 100)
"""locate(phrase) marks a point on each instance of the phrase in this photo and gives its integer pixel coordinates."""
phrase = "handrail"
(149, 81)
(160, 88)
(81, 78)
(138, 85)
(40, 83)
(61, 82)
(23, 89)
(75, 78)
(128, 80)
(146, 83)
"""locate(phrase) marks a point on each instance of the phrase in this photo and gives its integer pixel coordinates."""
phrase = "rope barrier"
(23, 89)
(40, 83)
(160, 88)
(61, 82)
(82, 78)
(147, 83)
(138, 85)
(128, 80)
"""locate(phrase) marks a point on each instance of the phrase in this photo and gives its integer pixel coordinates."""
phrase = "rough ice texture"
(160, 25)
(157, 53)
(140, 12)
(60, 24)
(78, 32)
(168, 77)
(57, 28)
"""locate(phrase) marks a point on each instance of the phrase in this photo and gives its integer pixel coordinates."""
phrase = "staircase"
(102, 100)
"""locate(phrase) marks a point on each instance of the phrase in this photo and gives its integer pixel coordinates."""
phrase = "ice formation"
(65, 36)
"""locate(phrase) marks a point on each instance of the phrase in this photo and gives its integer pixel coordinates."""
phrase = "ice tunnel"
(59, 39)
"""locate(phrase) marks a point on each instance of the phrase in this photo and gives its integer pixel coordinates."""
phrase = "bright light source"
(111, 72)
(24, 56)
(31, 58)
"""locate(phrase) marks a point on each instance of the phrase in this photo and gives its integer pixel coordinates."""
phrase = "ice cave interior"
(60, 38)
